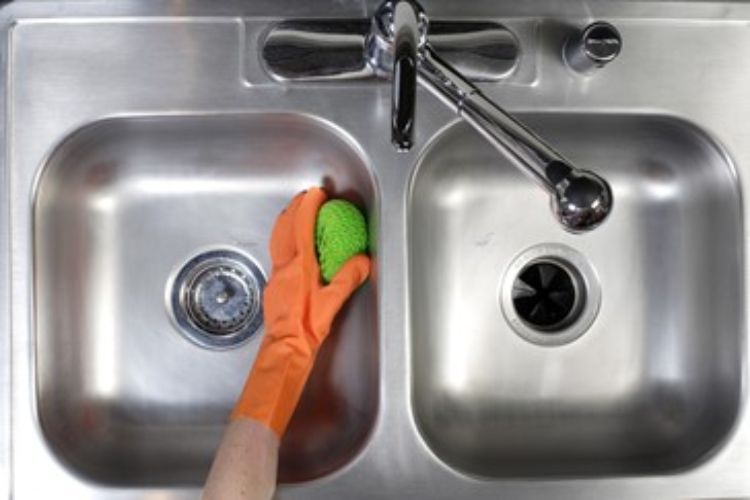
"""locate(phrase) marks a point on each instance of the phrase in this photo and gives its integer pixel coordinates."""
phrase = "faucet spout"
(581, 200)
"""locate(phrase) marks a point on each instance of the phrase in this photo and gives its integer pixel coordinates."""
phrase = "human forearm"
(245, 464)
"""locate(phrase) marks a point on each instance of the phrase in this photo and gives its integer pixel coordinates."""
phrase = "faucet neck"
(392, 22)
(398, 35)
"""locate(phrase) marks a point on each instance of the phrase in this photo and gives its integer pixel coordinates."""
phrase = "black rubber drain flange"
(547, 296)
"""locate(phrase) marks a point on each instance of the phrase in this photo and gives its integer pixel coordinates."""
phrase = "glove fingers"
(282, 246)
(331, 298)
(304, 223)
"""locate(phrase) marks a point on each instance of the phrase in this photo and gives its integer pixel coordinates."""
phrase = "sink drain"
(550, 294)
(215, 299)
(220, 300)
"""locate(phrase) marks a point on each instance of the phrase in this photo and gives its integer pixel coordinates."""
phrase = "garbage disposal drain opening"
(548, 295)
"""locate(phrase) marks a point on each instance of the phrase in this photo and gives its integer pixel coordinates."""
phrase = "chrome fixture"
(394, 46)
(215, 299)
(397, 46)
(550, 294)
(595, 46)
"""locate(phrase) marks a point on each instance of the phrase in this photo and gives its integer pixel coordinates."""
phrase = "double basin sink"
(145, 141)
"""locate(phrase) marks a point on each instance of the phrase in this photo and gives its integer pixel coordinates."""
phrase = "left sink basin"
(120, 206)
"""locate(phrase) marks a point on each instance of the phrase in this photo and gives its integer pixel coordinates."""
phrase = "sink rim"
(396, 451)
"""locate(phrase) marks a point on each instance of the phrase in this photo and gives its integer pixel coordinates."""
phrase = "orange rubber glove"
(298, 311)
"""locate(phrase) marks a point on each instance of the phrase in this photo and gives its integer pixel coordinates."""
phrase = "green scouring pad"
(340, 233)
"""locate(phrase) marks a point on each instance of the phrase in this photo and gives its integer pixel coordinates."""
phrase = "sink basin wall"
(122, 397)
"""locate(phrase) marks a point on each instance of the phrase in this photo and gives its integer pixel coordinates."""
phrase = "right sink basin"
(537, 352)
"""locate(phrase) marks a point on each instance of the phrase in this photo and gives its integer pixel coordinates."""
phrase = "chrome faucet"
(396, 45)
(398, 35)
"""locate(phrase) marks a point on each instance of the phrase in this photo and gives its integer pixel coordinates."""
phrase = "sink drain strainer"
(215, 299)
(550, 294)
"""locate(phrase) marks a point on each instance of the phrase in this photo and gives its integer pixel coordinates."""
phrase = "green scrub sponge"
(340, 233)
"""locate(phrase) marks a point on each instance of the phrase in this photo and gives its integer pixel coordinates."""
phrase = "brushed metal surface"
(119, 208)
(653, 384)
(184, 79)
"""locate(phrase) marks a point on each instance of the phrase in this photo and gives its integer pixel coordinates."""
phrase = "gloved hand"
(298, 311)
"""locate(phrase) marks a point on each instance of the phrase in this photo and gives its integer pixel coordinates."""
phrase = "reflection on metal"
(334, 49)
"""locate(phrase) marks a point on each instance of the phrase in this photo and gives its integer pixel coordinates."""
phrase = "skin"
(245, 464)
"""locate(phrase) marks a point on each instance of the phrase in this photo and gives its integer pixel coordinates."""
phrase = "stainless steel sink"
(141, 140)
(652, 381)
(121, 205)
